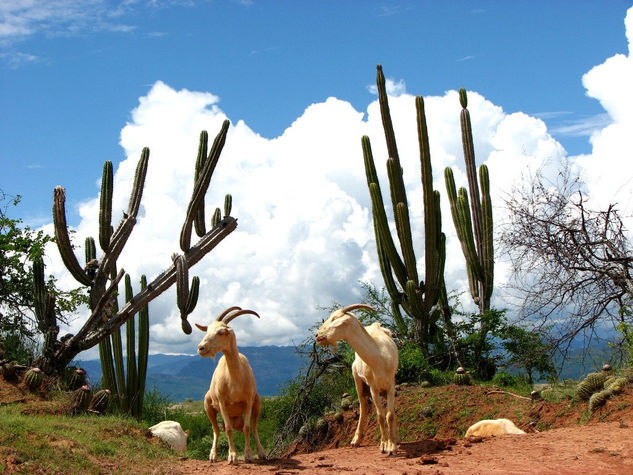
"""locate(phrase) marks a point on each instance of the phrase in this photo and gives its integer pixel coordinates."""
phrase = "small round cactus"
(77, 378)
(598, 399)
(339, 417)
(80, 399)
(461, 377)
(593, 382)
(346, 403)
(34, 378)
(100, 401)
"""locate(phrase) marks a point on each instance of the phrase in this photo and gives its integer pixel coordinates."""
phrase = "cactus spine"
(473, 218)
(418, 298)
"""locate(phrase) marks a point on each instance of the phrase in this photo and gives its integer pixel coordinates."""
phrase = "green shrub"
(504, 380)
(413, 366)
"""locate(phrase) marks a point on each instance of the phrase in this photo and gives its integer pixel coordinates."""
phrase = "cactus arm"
(130, 340)
(385, 114)
(464, 222)
(63, 239)
(202, 156)
(201, 185)
(107, 366)
(90, 249)
(406, 243)
(143, 349)
(139, 183)
(432, 216)
(193, 295)
(469, 159)
(380, 217)
(105, 207)
(398, 266)
(182, 290)
(216, 218)
(228, 204)
(487, 257)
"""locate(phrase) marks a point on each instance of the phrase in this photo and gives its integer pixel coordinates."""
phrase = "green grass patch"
(46, 443)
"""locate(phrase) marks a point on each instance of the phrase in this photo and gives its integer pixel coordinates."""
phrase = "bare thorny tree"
(571, 264)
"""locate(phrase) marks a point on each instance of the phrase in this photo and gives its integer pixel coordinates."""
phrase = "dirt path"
(602, 448)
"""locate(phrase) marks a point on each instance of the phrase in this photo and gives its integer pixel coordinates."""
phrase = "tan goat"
(374, 370)
(489, 427)
(232, 392)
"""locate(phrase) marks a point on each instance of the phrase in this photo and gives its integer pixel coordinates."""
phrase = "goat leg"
(361, 389)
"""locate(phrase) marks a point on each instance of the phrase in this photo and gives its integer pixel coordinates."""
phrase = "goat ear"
(201, 327)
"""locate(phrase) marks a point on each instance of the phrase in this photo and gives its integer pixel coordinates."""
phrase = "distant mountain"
(180, 377)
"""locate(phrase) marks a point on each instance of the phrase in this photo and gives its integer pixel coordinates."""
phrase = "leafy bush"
(413, 366)
(504, 379)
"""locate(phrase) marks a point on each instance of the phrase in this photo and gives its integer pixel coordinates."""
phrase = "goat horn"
(355, 306)
(201, 327)
(226, 312)
(238, 313)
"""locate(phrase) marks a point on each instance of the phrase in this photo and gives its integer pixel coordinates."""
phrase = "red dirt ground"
(567, 443)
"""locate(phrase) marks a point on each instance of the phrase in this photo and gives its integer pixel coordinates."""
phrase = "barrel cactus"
(598, 399)
(461, 377)
(33, 378)
(592, 383)
(100, 401)
(76, 378)
(80, 399)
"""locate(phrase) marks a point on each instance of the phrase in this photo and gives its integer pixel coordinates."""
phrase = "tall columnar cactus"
(473, 220)
(102, 277)
(418, 298)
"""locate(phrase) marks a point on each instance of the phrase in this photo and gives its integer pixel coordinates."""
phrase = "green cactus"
(186, 298)
(592, 383)
(461, 377)
(100, 401)
(33, 378)
(473, 217)
(80, 399)
(418, 298)
(598, 399)
(76, 378)
(105, 208)
(102, 278)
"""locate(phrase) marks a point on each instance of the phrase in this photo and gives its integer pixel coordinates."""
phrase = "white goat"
(489, 427)
(172, 434)
(232, 392)
(374, 366)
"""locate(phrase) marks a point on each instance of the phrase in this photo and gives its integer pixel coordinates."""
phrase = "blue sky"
(84, 81)
(70, 77)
